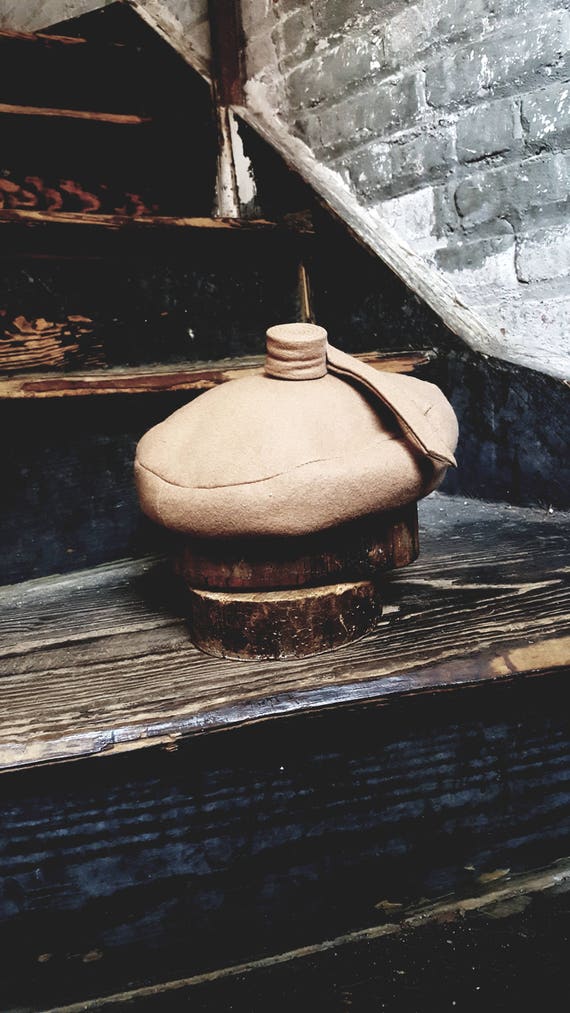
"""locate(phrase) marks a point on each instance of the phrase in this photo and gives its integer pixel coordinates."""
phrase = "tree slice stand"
(292, 597)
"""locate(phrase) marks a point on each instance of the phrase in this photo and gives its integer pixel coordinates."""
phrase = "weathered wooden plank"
(31, 218)
(305, 300)
(38, 39)
(122, 119)
(171, 863)
(197, 377)
(487, 601)
(153, 14)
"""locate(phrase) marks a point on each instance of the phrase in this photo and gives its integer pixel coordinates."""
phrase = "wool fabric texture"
(319, 439)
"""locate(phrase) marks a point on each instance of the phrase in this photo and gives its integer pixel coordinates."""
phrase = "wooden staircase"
(180, 830)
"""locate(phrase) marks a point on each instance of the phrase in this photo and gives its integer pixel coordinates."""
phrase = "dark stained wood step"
(260, 844)
(198, 376)
(101, 662)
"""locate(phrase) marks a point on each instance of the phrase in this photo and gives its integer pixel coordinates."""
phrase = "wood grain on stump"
(350, 552)
(292, 597)
(284, 623)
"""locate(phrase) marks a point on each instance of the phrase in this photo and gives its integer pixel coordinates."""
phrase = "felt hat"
(317, 439)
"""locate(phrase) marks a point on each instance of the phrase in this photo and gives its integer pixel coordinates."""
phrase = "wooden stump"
(291, 597)
(283, 624)
(350, 552)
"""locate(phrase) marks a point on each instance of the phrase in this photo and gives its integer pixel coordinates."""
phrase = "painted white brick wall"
(450, 121)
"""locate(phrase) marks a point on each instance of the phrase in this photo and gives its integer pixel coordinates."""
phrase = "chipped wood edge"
(506, 665)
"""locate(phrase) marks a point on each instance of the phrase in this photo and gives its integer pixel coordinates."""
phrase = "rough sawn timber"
(101, 661)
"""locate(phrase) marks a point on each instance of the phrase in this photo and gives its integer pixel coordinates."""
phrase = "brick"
(308, 128)
(330, 73)
(283, 6)
(261, 58)
(480, 269)
(535, 330)
(331, 15)
(370, 170)
(257, 14)
(373, 113)
(544, 255)
(503, 61)
(457, 18)
(422, 158)
(411, 215)
(415, 29)
(489, 129)
(305, 87)
(546, 115)
(513, 189)
(294, 37)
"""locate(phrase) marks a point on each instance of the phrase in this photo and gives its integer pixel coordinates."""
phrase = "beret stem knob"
(296, 352)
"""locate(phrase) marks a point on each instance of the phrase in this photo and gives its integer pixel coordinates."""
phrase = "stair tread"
(190, 376)
(30, 218)
(122, 119)
(100, 661)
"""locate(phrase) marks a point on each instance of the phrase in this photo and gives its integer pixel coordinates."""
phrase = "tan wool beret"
(318, 439)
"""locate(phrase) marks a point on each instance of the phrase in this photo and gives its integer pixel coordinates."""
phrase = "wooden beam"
(227, 45)
(145, 379)
(227, 41)
(121, 119)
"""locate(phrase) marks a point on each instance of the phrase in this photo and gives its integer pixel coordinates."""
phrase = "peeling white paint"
(242, 164)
